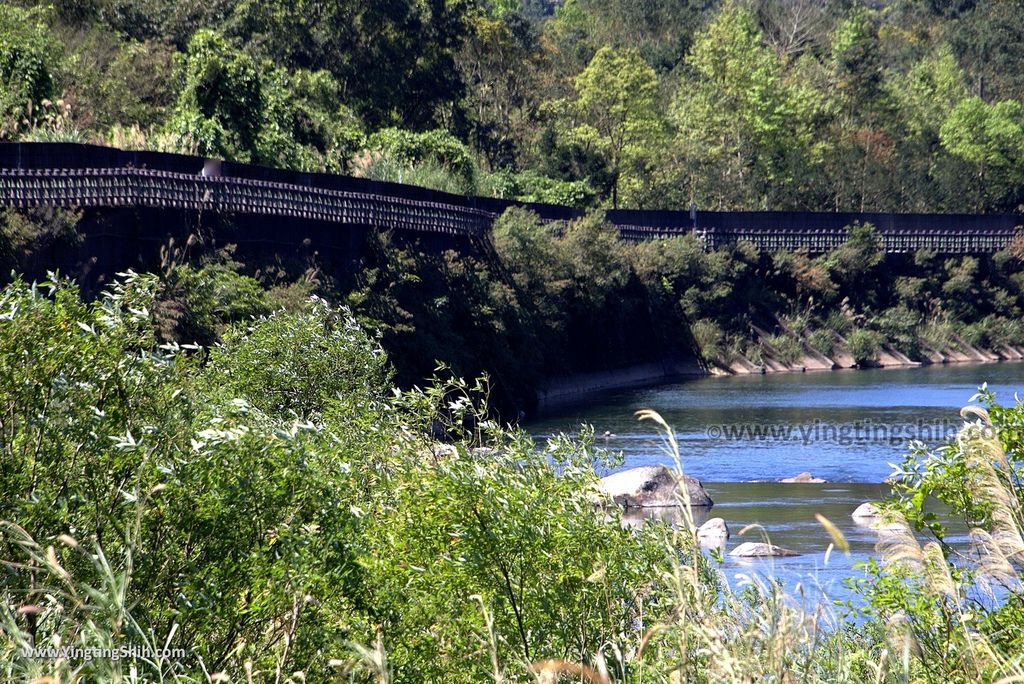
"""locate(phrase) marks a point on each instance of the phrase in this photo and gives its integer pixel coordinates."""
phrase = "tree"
(991, 139)
(394, 59)
(615, 109)
(499, 64)
(28, 58)
(745, 131)
(220, 105)
(854, 265)
(661, 30)
(989, 41)
(232, 108)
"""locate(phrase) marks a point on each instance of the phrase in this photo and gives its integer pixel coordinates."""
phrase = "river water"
(739, 435)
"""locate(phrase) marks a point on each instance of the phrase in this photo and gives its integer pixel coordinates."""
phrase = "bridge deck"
(64, 175)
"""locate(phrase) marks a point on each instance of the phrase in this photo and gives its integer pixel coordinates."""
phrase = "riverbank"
(572, 390)
(959, 351)
(569, 391)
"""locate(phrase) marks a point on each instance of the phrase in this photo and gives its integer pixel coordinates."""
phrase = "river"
(741, 434)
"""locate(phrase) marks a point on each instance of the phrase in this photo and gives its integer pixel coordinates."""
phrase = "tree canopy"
(733, 104)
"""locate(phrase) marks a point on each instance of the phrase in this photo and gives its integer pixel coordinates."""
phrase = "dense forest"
(909, 105)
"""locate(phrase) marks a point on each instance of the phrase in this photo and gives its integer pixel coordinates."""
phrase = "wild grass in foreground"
(271, 508)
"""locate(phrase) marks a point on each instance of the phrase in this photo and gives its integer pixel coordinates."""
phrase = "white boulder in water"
(760, 550)
(713, 534)
(650, 486)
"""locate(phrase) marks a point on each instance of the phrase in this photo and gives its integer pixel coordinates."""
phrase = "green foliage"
(197, 510)
(220, 105)
(408, 157)
(299, 363)
(614, 112)
(710, 340)
(530, 186)
(854, 264)
(989, 137)
(785, 348)
(305, 126)
(25, 236)
(28, 61)
(823, 340)
(864, 345)
(900, 327)
(196, 304)
(743, 128)
(487, 535)
(231, 107)
(396, 59)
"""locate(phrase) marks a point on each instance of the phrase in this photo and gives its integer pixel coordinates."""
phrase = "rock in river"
(804, 478)
(652, 486)
(884, 522)
(760, 550)
(866, 512)
(713, 533)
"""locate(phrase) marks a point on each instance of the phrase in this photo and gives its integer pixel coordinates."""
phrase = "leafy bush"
(838, 321)
(977, 334)
(25, 235)
(28, 59)
(221, 103)
(864, 345)
(900, 327)
(823, 340)
(299, 363)
(787, 348)
(531, 186)
(196, 304)
(188, 517)
(426, 174)
(195, 510)
(438, 149)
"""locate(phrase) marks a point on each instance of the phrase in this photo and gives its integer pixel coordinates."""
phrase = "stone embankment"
(773, 361)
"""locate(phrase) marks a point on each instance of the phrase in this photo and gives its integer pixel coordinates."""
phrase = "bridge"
(63, 175)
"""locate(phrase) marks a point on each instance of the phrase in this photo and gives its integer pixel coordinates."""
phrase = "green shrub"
(788, 349)
(977, 334)
(29, 56)
(823, 340)
(215, 521)
(299, 363)
(402, 152)
(709, 338)
(221, 103)
(864, 346)
(900, 327)
(531, 186)
(28, 234)
(196, 304)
